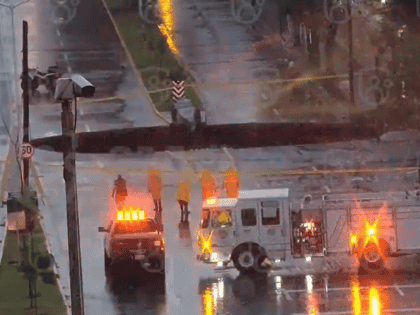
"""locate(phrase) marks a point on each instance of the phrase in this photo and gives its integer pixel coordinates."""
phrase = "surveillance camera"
(82, 87)
(76, 85)
(63, 89)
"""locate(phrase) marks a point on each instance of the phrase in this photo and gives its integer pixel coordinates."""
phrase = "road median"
(153, 56)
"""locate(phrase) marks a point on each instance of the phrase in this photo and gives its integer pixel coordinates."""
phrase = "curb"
(3, 237)
(130, 59)
(35, 170)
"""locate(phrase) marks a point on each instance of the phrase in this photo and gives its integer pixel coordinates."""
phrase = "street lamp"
(11, 8)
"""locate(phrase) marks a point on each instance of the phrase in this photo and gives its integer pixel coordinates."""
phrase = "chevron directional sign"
(178, 90)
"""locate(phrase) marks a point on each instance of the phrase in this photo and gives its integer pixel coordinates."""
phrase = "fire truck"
(263, 231)
(132, 239)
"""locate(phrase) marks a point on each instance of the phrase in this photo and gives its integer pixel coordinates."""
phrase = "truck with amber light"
(263, 231)
(132, 239)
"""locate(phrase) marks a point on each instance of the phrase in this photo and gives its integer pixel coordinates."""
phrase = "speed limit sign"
(26, 150)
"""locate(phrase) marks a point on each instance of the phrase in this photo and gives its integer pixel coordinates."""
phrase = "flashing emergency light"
(205, 243)
(131, 214)
(211, 201)
(353, 239)
(371, 232)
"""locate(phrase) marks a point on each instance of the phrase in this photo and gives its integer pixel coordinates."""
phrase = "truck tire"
(245, 257)
(174, 115)
(372, 261)
(107, 263)
(197, 117)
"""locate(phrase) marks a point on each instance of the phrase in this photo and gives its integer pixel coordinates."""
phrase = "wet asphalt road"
(188, 287)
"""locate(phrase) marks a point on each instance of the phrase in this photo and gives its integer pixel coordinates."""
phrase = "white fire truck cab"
(262, 230)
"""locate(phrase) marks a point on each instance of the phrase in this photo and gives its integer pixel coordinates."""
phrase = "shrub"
(44, 261)
(49, 277)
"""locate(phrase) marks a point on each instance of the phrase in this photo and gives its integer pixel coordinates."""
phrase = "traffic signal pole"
(69, 173)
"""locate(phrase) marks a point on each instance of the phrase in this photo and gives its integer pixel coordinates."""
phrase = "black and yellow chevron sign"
(178, 90)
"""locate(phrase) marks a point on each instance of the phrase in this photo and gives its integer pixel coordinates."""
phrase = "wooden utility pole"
(69, 173)
(25, 105)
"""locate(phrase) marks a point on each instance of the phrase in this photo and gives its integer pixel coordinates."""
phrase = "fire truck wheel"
(259, 264)
(174, 115)
(244, 258)
(372, 262)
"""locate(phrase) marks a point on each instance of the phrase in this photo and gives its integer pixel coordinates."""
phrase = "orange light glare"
(211, 201)
(374, 302)
(205, 243)
(353, 239)
(371, 232)
(134, 215)
(357, 305)
(130, 215)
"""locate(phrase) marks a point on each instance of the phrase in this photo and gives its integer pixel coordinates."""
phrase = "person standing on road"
(120, 190)
(208, 185)
(155, 188)
(184, 188)
(231, 183)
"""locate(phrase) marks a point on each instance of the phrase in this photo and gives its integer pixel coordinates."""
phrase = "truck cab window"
(270, 216)
(249, 217)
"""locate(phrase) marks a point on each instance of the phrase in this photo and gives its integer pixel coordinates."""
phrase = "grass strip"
(14, 287)
(149, 48)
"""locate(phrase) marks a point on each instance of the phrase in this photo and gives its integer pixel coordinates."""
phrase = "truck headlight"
(214, 256)
(157, 243)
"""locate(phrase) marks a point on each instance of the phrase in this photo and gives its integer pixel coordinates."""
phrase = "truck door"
(271, 228)
(223, 227)
(247, 222)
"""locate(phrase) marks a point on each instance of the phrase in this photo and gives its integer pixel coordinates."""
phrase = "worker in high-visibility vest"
(155, 188)
(208, 185)
(119, 191)
(231, 183)
(184, 188)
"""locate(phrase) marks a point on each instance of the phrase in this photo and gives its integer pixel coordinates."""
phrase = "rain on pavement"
(216, 48)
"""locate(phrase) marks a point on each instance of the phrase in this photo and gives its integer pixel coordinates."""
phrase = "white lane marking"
(58, 32)
(397, 287)
(394, 310)
(66, 57)
(288, 297)
(68, 68)
(61, 43)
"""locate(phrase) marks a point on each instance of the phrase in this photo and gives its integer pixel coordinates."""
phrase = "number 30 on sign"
(26, 150)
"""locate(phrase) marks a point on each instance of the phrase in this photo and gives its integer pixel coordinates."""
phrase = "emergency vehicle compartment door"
(247, 222)
(408, 232)
(223, 227)
(271, 223)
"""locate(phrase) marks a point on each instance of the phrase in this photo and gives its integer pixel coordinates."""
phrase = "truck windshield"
(134, 227)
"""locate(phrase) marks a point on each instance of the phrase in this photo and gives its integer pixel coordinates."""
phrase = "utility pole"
(25, 105)
(351, 69)
(69, 173)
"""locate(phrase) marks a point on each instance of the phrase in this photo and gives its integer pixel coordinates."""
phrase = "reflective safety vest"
(232, 184)
(184, 191)
(120, 187)
(209, 188)
(155, 184)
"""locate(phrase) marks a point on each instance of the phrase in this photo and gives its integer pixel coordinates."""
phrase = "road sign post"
(26, 150)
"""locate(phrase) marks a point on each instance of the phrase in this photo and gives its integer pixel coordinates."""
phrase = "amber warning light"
(130, 214)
